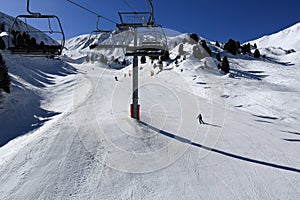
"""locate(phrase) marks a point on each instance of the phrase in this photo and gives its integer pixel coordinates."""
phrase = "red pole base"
(138, 112)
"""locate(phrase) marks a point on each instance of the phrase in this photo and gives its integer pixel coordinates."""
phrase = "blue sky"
(215, 20)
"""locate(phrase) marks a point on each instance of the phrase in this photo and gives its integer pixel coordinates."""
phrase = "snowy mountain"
(286, 39)
(70, 135)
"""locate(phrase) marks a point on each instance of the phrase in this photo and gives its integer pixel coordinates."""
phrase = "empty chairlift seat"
(98, 36)
(34, 42)
(149, 38)
(151, 41)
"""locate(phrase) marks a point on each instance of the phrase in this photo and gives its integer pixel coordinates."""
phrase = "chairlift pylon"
(35, 47)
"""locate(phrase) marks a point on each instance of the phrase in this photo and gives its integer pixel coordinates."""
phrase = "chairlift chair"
(150, 37)
(152, 41)
(43, 48)
(100, 35)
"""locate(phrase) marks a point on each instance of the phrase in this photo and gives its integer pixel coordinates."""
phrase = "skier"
(200, 119)
(116, 78)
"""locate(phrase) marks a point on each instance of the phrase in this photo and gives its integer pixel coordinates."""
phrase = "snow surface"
(76, 140)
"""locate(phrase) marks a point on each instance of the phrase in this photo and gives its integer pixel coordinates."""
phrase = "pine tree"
(246, 48)
(255, 45)
(238, 47)
(218, 57)
(204, 45)
(2, 27)
(42, 44)
(4, 77)
(256, 53)
(2, 44)
(124, 63)
(225, 65)
(166, 56)
(143, 59)
(194, 38)
(231, 47)
(32, 42)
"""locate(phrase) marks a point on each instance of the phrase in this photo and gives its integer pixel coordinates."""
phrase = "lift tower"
(142, 24)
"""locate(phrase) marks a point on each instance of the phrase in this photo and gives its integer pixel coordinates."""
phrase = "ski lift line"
(129, 6)
(89, 10)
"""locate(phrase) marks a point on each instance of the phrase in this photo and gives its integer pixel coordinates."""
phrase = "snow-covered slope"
(287, 39)
(34, 84)
(83, 145)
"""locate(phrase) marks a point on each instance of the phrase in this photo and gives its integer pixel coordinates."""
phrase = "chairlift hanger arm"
(152, 12)
(97, 26)
(28, 9)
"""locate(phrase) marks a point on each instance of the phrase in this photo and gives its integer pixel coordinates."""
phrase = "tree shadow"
(291, 132)
(291, 140)
(231, 155)
(276, 61)
(256, 72)
(235, 73)
(266, 117)
(264, 121)
(201, 83)
(264, 59)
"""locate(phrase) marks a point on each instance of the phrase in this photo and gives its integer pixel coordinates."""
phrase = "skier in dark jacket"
(200, 119)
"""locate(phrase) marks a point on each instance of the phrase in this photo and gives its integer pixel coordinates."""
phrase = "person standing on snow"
(200, 119)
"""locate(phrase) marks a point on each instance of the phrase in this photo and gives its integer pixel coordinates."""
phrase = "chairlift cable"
(84, 8)
(129, 6)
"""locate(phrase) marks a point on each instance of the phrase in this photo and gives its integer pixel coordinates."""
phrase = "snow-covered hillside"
(76, 140)
(286, 39)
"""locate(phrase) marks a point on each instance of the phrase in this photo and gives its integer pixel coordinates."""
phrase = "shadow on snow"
(231, 155)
